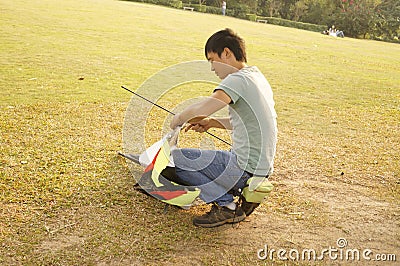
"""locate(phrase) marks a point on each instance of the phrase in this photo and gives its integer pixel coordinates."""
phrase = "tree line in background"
(371, 19)
(376, 19)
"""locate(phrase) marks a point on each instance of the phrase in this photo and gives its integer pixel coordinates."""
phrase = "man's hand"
(201, 110)
(176, 121)
(199, 124)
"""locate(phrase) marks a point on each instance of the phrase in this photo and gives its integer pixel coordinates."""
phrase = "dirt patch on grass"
(62, 242)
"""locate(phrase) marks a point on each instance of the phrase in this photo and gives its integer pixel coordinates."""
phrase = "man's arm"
(201, 110)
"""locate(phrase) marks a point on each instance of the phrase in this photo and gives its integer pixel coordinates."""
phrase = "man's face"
(220, 65)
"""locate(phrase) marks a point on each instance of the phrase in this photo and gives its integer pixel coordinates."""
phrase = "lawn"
(66, 198)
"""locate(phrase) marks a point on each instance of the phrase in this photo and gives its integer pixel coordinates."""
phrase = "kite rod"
(159, 106)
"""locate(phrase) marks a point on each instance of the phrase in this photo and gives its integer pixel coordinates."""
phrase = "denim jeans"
(214, 172)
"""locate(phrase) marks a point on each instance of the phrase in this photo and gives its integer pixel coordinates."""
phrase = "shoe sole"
(227, 221)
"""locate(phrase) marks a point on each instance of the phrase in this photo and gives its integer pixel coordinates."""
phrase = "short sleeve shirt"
(253, 119)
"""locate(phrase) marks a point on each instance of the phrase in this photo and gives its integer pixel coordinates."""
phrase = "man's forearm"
(203, 108)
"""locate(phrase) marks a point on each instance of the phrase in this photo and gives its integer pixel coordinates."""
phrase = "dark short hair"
(226, 38)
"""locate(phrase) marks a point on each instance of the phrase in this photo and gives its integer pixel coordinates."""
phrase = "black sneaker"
(219, 215)
(248, 207)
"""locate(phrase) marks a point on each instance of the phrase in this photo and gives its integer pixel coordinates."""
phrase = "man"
(252, 119)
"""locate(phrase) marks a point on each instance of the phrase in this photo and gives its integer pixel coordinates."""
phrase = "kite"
(159, 178)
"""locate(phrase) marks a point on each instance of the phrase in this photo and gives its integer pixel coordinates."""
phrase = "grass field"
(66, 198)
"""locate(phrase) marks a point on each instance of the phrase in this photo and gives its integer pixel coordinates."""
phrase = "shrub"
(197, 7)
(251, 17)
(294, 24)
(171, 3)
(238, 11)
(213, 10)
(176, 3)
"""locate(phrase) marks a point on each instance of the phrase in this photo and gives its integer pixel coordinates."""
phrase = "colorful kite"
(159, 179)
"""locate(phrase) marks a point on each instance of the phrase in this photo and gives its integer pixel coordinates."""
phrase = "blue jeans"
(214, 172)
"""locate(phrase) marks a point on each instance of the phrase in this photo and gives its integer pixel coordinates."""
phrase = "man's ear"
(227, 53)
